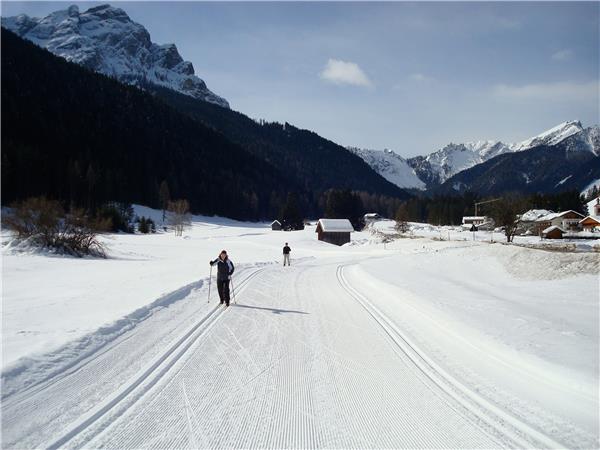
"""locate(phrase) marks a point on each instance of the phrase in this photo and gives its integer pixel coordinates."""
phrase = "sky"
(411, 77)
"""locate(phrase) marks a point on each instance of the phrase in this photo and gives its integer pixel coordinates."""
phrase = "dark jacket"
(286, 250)
(224, 268)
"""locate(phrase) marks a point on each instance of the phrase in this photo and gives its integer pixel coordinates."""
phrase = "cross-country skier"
(225, 269)
(286, 254)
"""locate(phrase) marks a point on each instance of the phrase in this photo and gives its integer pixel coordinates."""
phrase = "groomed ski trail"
(296, 364)
(302, 361)
(522, 434)
(52, 410)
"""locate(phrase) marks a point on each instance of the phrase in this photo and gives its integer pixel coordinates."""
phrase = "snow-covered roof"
(595, 218)
(275, 221)
(336, 225)
(474, 218)
(557, 215)
(534, 214)
(547, 217)
(552, 228)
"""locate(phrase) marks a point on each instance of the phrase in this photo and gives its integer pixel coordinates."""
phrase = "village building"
(474, 220)
(334, 231)
(527, 221)
(590, 223)
(276, 225)
(553, 232)
(480, 222)
(566, 220)
(594, 207)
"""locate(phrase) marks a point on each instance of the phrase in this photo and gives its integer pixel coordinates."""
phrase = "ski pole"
(233, 291)
(209, 282)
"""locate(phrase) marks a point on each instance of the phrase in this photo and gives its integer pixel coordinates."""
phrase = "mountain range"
(106, 41)
(440, 169)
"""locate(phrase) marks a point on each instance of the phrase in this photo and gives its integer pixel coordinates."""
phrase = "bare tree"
(179, 216)
(402, 219)
(505, 213)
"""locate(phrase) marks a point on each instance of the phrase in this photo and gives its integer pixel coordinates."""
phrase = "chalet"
(480, 222)
(590, 223)
(276, 225)
(553, 232)
(334, 231)
(567, 220)
(474, 220)
(527, 221)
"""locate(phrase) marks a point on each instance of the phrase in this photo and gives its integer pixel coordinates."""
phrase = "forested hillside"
(84, 138)
(312, 161)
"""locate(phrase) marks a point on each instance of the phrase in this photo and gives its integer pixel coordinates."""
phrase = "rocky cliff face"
(104, 39)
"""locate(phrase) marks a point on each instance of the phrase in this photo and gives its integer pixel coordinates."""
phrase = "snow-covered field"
(457, 233)
(413, 343)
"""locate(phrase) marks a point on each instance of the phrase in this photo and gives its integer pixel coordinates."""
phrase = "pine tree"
(164, 197)
(290, 216)
(143, 225)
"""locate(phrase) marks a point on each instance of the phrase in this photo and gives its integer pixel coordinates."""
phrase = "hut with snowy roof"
(590, 223)
(334, 231)
(553, 232)
(276, 225)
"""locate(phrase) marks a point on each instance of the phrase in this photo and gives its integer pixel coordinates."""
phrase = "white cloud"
(343, 72)
(563, 55)
(420, 77)
(558, 91)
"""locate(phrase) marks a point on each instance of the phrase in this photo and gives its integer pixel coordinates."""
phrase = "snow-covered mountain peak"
(442, 164)
(390, 166)
(552, 136)
(106, 40)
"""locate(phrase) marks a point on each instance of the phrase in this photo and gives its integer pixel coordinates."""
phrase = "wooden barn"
(553, 232)
(276, 225)
(334, 231)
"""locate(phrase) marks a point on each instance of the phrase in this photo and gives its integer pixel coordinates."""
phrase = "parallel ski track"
(522, 434)
(149, 376)
(264, 380)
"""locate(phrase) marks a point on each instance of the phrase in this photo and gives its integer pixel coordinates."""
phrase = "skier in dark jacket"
(286, 254)
(225, 269)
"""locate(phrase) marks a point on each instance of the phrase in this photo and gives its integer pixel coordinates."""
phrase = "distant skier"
(225, 269)
(286, 254)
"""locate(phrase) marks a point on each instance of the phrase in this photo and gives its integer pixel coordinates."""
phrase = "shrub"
(146, 225)
(44, 223)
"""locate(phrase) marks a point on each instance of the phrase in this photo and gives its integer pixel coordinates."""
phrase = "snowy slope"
(390, 166)
(439, 166)
(106, 40)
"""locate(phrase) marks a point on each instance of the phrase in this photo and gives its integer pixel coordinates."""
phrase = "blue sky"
(407, 76)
